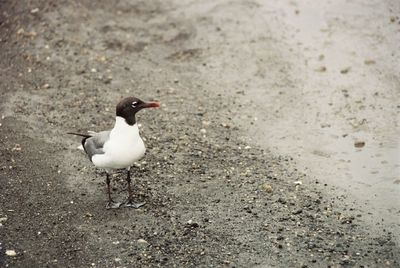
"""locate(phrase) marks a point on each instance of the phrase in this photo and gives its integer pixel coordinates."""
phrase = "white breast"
(124, 147)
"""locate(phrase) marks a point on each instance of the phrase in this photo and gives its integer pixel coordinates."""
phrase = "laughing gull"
(120, 147)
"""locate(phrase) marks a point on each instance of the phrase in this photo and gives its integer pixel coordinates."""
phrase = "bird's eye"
(134, 104)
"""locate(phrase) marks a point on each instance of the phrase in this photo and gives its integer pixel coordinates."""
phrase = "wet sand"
(338, 111)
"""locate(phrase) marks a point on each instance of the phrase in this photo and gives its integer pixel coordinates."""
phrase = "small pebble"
(345, 70)
(369, 62)
(359, 144)
(267, 188)
(142, 241)
(297, 211)
(11, 253)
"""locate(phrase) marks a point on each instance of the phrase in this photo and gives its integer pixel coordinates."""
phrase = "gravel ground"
(212, 199)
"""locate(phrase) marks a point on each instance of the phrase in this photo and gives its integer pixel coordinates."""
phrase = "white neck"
(120, 121)
(121, 128)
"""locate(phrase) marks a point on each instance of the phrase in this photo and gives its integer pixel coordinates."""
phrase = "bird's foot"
(113, 205)
(130, 204)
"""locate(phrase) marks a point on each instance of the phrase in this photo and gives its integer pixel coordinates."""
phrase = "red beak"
(151, 105)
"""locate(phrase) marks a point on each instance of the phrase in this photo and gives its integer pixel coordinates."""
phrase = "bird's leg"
(130, 202)
(111, 203)
(109, 188)
(128, 180)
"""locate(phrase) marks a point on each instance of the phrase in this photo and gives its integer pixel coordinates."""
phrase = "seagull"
(120, 147)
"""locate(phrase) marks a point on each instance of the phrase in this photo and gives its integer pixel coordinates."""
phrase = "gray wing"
(94, 144)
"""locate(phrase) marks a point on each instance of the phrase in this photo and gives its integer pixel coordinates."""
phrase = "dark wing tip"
(79, 134)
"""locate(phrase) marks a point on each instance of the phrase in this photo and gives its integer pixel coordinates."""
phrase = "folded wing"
(94, 144)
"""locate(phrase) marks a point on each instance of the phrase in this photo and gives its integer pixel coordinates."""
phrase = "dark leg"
(128, 180)
(111, 203)
(130, 202)
(109, 188)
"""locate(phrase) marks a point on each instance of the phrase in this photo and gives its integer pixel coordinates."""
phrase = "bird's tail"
(79, 134)
(85, 136)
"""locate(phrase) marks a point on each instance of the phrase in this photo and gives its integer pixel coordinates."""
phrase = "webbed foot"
(130, 204)
(113, 205)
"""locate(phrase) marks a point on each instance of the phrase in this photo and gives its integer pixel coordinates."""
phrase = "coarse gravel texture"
(212, 200)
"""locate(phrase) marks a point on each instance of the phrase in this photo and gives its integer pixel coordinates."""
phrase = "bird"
(120, 147)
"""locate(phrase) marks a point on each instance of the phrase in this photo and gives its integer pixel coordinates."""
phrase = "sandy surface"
(248, 112)
(340, 88)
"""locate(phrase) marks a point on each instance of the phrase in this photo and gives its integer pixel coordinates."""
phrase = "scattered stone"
(17, 147)
(369, 62)
(11, 253)
(321, 153)
(35, 10)
(107, 79)
(206, 123)
(80, 71)
(359, 144)
(345, 70)
(321, 69)
(281, 200)
(22, 32)
(142, 241)
(298, 182)
(267, 188)
(192, 224)
(297, 211)
(3, 219)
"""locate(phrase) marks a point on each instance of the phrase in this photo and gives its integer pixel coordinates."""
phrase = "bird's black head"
(128, 107)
